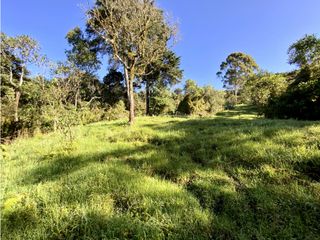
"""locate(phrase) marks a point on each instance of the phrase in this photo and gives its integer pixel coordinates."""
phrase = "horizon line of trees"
(141, 73)
(286, 95)
(142, 70)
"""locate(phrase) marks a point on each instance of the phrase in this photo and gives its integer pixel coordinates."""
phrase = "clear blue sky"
(209, 29)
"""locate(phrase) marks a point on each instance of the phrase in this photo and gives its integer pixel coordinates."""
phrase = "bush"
(261, 88)
(117, 111)
(301, 100)
(201, 101)
(91, 115)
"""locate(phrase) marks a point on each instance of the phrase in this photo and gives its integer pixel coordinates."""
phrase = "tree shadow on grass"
(111, 201)
(61, 165)
(234, 147)
(213, 166)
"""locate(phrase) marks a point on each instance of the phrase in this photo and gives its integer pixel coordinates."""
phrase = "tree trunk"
(236, 94)
(126, 76)
(16, 105)
(131, 102)
(17, 96)
(129, 76)
(76, 99)
(55, 125)
(11, 76)
(147, 98)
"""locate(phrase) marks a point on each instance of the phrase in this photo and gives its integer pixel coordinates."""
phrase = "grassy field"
(233, 176)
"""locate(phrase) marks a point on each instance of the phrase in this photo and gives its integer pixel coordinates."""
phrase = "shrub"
(117, 111)
(302, 98)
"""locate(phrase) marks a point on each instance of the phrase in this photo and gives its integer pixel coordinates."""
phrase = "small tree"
(137, 34)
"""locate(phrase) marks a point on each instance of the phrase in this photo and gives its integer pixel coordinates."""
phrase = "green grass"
(233, 176)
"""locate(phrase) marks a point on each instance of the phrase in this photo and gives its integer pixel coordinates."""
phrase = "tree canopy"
(137, 33)
(235, 70)
(305, 51)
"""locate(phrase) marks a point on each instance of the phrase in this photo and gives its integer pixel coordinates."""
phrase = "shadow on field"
(242, 172)
(262, 189)
(62, 165)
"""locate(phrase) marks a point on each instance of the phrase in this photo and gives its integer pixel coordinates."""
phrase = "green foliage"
(165, 70)
(230, 100)
(236, 70)
(263, 87)
(214, 100)
(290, 95)
(162, 101)
(118, 111)
(114, 88)
(233, 176)
(84, 51)
(305, 51)
(191, 105)
(139, 40)
(302, 98)
(140, 103)
(162, 74)
(200, 101)
(91, 114)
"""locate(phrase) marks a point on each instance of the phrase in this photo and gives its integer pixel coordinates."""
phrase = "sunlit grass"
(233, 176)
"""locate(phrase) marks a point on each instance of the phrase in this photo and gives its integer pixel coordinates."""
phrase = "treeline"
(287, 95)
(75, 95)
(141, 75)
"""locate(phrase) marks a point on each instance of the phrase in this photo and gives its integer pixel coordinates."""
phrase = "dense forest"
(142, 154)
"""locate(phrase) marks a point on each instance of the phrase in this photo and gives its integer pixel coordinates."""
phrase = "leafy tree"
(118, 110)
(213, 99)
(114, 89)
(178, 91)
(69, 77)
(235, 71)
(191, 87)
(84, 57)
(140, 103)
(17, 53)
(192, 102)
(84, 51)
(301, 100)
(305, 51)
(137, 34)
(164, 73)
(162, 100)
(264, 86)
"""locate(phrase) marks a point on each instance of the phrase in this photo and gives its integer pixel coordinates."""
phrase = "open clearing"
(233, 176)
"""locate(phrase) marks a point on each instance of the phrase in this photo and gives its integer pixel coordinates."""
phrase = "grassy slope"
(230, 177)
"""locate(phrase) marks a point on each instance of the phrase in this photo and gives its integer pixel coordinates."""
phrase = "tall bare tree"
(136, 32)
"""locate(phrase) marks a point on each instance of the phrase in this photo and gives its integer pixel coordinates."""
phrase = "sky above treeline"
(209, 30)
